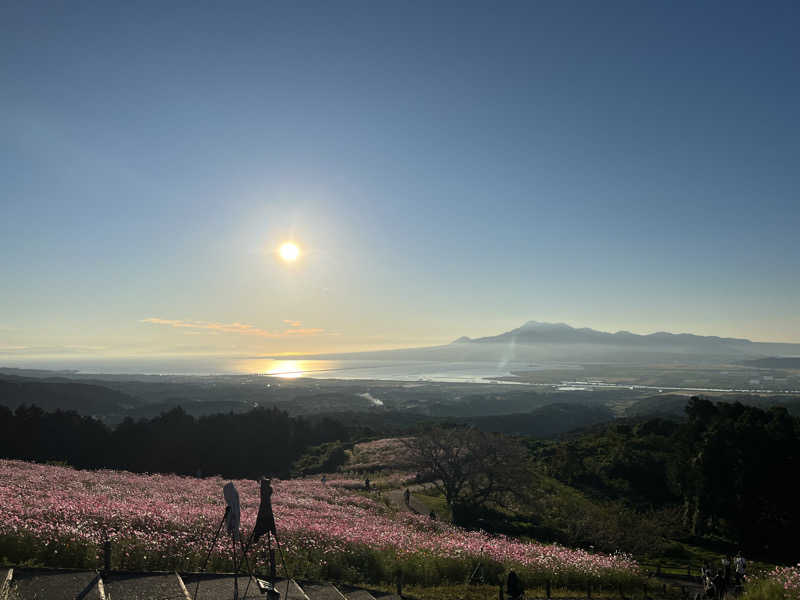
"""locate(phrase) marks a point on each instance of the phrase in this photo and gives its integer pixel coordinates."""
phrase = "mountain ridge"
(540, 342)
(562, 332)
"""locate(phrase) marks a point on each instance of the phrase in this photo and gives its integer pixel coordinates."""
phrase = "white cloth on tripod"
(235, 514)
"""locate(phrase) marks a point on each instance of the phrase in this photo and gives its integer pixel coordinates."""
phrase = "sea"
(287, 368)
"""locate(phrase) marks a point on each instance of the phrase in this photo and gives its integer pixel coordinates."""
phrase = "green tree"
(739, 460)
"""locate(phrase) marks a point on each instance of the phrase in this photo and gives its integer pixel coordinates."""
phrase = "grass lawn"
(435, 501)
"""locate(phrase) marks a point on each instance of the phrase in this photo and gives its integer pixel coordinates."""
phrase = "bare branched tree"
(471, 468)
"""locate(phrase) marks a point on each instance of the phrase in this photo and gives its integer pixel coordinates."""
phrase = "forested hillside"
(260, 442)
(720, 472)
(52, 395)
(726, 468)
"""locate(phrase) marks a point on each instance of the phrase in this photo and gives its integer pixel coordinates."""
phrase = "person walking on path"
(407, 497)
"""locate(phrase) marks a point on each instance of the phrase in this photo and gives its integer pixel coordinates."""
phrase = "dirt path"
(416, 506)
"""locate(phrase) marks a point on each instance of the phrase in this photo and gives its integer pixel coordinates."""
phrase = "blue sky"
(447, 169)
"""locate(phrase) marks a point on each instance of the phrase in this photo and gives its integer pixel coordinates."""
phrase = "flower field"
(780, 582)
(387, 453)
(59, 516)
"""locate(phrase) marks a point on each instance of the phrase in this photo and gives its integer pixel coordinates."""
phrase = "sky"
(446, 168)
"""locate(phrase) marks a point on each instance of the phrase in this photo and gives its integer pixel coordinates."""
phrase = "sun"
(289, 251)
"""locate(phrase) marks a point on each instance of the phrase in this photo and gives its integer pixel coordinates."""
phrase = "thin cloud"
(295, 327)
(49, 350)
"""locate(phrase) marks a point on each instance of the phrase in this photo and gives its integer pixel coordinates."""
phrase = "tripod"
(236, 565)
(211, 548)
(265, 524)
(267, 587)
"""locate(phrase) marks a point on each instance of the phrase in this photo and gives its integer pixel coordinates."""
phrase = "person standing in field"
(726, 569)
(719, 586)
(739, 565)
(708, 585)
(407, 497)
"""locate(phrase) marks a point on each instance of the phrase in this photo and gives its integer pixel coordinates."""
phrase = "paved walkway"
(66, 584)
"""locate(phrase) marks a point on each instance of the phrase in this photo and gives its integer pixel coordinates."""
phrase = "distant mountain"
(537, 342)
(534, 332)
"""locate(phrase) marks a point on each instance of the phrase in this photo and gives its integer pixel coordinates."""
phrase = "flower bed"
(781, 583)
(60, 516)
(388, 453)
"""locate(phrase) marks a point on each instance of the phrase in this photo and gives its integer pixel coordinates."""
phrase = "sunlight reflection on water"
(468, 372)
(291, 368)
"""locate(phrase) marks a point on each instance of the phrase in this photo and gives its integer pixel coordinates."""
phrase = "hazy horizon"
(443, 170)
(243, 362)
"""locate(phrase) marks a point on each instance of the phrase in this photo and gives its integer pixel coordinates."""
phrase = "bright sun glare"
(286, 369)
(289, 251)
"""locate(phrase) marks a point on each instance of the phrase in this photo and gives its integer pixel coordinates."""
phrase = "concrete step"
(5, 582)
(359, 595)
(53, 584)
(220, 586)
(139, 586)
(292, 592)
(322, 591)
(62, 584)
